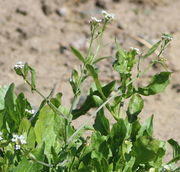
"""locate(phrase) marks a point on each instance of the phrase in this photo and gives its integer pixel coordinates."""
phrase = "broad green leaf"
(148, 150)
(146, 127)
(21, 105)
(101, 123)
(152, 49)
(29, 165)
(175, 146)
(100, 146)
(35, 118)
(157, 84)
(78, 54)
(117, 135)
(135, 129)
(129, 165)
(46, 129)
(90, 103)
(31, 138)
(56, 101)
(10, 115)
(97, 100)
(24, 125)
(135, 106)
(3, 90)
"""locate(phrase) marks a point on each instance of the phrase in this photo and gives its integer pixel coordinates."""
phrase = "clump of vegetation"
(47, 141)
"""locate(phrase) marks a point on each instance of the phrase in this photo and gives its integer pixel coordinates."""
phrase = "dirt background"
(40, 32)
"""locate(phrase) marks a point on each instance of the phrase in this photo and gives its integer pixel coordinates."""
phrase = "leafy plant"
(47, 141)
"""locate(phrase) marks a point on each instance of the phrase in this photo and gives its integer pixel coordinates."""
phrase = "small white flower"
(15, 138)
(167, 37)
(17, 147)
(167, 167)
(0, 136)
(22, 139)
(18, 139)
(95, 20)
(19, 65)
(30, 111)
(108, 16)
(136, 50)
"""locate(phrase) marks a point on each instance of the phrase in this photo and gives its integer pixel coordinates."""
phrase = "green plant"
(46, 140)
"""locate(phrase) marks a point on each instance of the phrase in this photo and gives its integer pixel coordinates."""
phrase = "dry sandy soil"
(40, 32)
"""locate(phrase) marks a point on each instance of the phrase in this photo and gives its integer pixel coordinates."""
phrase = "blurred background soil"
(40, 33)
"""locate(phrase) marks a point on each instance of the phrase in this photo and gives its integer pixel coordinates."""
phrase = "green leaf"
(135, 106)
(175, 159)
(25, 70)
(129, 165)
(152, 49)
(101, 123)
(11, 116)
(46, 129)
(117, 135)
(100, 58)
(32, 166)
(100, 146)
(146, 127)
(74, 81)
(33, 78)
(147, 149)
(3, 91)
(157, 84)
(78, 54)
(96, 80)
(175, 146)
(90, 101)
(21, 105)
(56, 101)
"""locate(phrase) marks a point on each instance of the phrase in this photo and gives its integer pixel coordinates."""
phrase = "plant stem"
(47, 101)
(89, 119)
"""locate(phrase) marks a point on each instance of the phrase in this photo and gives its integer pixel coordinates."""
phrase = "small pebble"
(62, 12)
(100, 4)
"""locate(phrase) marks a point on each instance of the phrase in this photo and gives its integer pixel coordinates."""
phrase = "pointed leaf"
(157, 84)
(175, 146)
(100, 58)
(135, 106)
(78, 54)
(102, 123)
(152, 49)
(96, 80)
(3, 91)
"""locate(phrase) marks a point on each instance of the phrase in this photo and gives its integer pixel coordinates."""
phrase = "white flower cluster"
(167, 37)
(1, 136)
(19, 140)
(167, 167)
(32, 111)
(95, 20)
(19, 65)
(108, 16)
(136, 50)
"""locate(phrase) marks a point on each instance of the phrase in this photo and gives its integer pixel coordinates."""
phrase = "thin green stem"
(89, 119)
(100, 39)
(54, 108)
